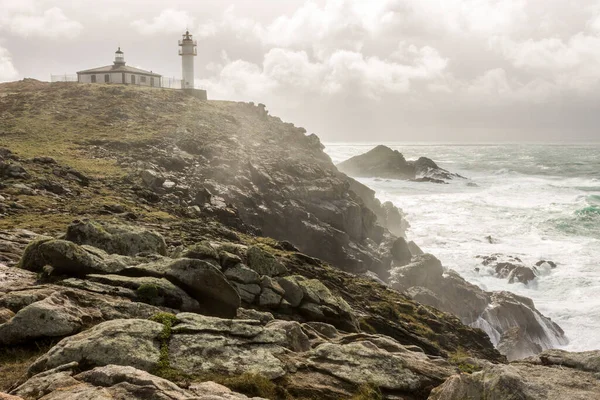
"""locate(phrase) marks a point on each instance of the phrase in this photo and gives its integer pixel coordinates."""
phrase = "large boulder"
(64, 258)
(365, 362)
(131, 342)
(525, 380)
(201, 280)
(119, 239)
(66, 312)
(116, 382)
(235, 346)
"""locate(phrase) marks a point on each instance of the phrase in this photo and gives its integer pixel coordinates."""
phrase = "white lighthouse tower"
(187, 52)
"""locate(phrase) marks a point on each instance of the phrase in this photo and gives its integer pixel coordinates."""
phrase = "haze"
(347, 70)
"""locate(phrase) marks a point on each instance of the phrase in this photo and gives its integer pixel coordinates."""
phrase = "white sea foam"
(533, 200)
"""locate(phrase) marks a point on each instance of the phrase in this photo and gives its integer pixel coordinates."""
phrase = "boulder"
(242, 274)
(523, 381)
(117, 382)
(119, 239)
(296, 338)
(293, 293)
(401, 252)
(264, 263)
(130, 342)
(66, 312)
(64, 258)
(235, 346)
(202, 251)
(200, 279)
(155, 291)
(365, 363)
(11, 278)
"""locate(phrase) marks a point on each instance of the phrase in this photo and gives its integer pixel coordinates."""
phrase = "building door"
(133, 79)
(93, 78)
(107, 78)
(152, 81)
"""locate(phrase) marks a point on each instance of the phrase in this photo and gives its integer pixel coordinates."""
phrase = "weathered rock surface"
(383, 162)
(116, 382)
(201, 280)
(562, 378)
(66, 312)
(127, 241)
(496, 313)
(129, 342)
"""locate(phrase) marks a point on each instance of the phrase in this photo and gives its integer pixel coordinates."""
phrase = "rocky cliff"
(156, 246)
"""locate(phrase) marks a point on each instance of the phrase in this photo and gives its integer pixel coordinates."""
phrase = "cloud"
(168, 21)
(285, 71)
(52, 23)
(8, 72)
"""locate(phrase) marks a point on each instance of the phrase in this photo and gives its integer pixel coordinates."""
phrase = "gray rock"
(67, 312)
(12, 278)
(152, 178)
(296, 339)
(264, 263)
(248, 313)
(269, 299)
(155, 291)
(65, 258)
(364, 362)
(247, 292)
(202, 251)
(235, 346)
(48, 381)
(200, 279)
(241, 273)
(293, 293)
(521, 381)
(401, 252)
(229, 260)
(119, 239)
(131, 342)
(267, 282)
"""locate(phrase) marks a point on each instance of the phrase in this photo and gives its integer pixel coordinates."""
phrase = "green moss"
(366, 327)
(460, 358)
(163, 368)
(368, 391)
(148, 293)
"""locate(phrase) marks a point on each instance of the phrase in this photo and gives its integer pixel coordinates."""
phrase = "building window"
(106, 78)
(133, 79)
(142, 79)
(93, 78)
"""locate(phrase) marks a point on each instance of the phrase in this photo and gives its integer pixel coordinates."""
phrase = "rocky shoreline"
(180, 249)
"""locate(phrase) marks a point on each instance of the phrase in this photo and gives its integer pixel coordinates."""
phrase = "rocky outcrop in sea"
(383, 162)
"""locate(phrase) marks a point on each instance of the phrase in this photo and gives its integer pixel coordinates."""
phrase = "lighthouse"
(187, 52)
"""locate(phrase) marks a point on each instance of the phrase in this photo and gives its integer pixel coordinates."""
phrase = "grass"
(461, 358)
(368, 391)
(15, 360)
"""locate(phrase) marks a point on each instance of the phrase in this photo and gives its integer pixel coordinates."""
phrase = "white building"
(120, 73)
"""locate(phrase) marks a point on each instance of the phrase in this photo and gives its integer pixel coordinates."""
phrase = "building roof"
(118, 68)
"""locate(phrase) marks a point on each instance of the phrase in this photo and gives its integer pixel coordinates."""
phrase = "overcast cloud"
(347, 70)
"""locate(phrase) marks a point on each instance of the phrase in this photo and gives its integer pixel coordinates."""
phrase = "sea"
(536, 201)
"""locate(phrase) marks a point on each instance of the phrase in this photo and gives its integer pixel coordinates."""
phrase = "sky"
(347, 70)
